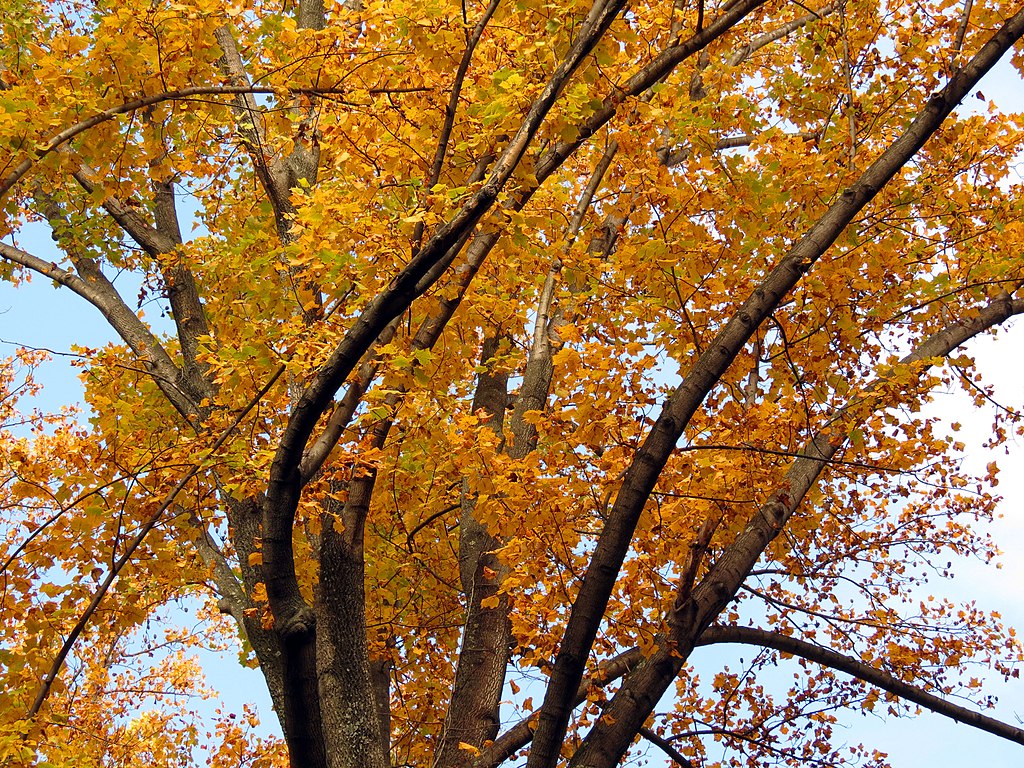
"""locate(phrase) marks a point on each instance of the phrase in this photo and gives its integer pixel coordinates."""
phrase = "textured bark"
(183, 295)
(380, 678)
(473, 715)
(303, 726)
(293, 618)
(295, 627)
(354, 690)
(349, 704)
(473, 712)
(311, 14)
(483, 656)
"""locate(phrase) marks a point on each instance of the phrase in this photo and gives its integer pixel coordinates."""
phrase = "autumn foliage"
(484, 360)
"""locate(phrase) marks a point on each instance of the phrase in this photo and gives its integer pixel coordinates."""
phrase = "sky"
(38, 315)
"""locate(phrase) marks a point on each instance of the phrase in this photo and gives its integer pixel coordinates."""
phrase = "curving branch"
(858, 669)
(233, 600)
(272, 172)
(609, 740)
(294, 619)
(451, 108)
(94, 287)
(48, 146)
(456, 91)
(666, 746)
(546, 163)
(690, 617)
(745, 52)
(160, 241)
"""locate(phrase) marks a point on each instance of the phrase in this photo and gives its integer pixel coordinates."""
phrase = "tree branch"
(98, 291)
(342, 415)
(49, 146)
(611, 741)
(759, 42)
(473, 709)
(855, 668)
(234, 601)
(641, 691)
(160, 242)
(418, 275)
(456, 90)
(666, 746)
(133, 545)
(249, 124)
(519, 735)
(187, 309)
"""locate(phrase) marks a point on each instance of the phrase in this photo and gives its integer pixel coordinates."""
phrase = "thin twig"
(47, 147)
(961, 32)
(665, 746)
(80, 625)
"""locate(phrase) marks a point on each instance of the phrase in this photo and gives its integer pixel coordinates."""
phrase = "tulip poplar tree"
(509, 352)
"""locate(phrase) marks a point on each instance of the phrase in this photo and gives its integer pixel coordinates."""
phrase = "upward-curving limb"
(608, 741)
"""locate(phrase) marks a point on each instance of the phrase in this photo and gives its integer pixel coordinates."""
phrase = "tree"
(516, 351)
